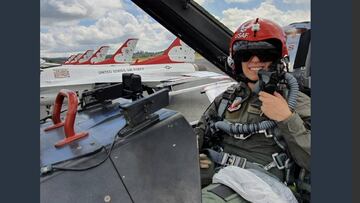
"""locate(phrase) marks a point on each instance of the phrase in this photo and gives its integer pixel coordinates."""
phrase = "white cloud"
(203, 2)
(297, 1)
(113, 28)
(238, 1)
(69, 12)
(233, 17)
(200, 2)
(47, 41)
(112, 24)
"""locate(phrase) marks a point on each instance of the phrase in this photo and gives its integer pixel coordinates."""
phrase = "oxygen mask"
(269, 80)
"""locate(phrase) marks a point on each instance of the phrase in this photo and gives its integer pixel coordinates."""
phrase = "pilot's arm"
(294, 126)
(296, 131)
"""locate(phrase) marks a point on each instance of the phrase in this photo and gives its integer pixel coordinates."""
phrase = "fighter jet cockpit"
(128, 130)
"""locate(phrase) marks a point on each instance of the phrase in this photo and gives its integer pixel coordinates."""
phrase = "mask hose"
(239, 128)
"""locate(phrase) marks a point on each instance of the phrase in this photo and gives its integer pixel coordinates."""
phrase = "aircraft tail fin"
(75, 59)
(177, 52)
(124, 54)
(69, 59)
(85, 56)
(98, 56)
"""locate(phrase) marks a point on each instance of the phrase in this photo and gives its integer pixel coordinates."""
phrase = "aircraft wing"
(75, 79)
(49, 65)
(155, 80)
(215, 89)
(162, 80)
(167, 80)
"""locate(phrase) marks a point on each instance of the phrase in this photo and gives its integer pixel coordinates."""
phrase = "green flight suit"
(295, 131)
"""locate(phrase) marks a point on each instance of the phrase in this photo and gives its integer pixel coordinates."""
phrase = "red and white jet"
(84, 57)
(96, 57)
(70, 59)
(74, 59)
(171, 68)
(177, 52)
(123, 55)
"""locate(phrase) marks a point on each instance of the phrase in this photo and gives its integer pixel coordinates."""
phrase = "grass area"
(144, 57)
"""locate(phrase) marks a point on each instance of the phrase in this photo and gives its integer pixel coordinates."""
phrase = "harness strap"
(280, 160)
(280, 142)
(267, 133)
(227, 97)
(222, 107)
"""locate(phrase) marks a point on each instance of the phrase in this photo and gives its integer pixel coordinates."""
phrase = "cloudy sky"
(73, 26)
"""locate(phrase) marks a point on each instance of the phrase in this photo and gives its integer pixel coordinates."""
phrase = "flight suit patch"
(235, 105)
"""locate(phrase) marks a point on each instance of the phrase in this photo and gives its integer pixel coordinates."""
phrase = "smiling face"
(251, 56)
(251, 67)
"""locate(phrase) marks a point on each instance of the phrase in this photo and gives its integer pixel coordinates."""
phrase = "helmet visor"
(265, 51)
(263, 55)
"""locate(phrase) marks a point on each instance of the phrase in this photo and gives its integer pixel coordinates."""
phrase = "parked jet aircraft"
(70, 59)
(123, 55)
(44, 64)
(84, 57)
(177, 52)
(98, 56)
(74, 59)
(161, 75)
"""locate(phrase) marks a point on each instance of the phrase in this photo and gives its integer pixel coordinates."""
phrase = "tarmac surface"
(190, 104)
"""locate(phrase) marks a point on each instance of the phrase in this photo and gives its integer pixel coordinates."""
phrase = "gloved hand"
(205, 162)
